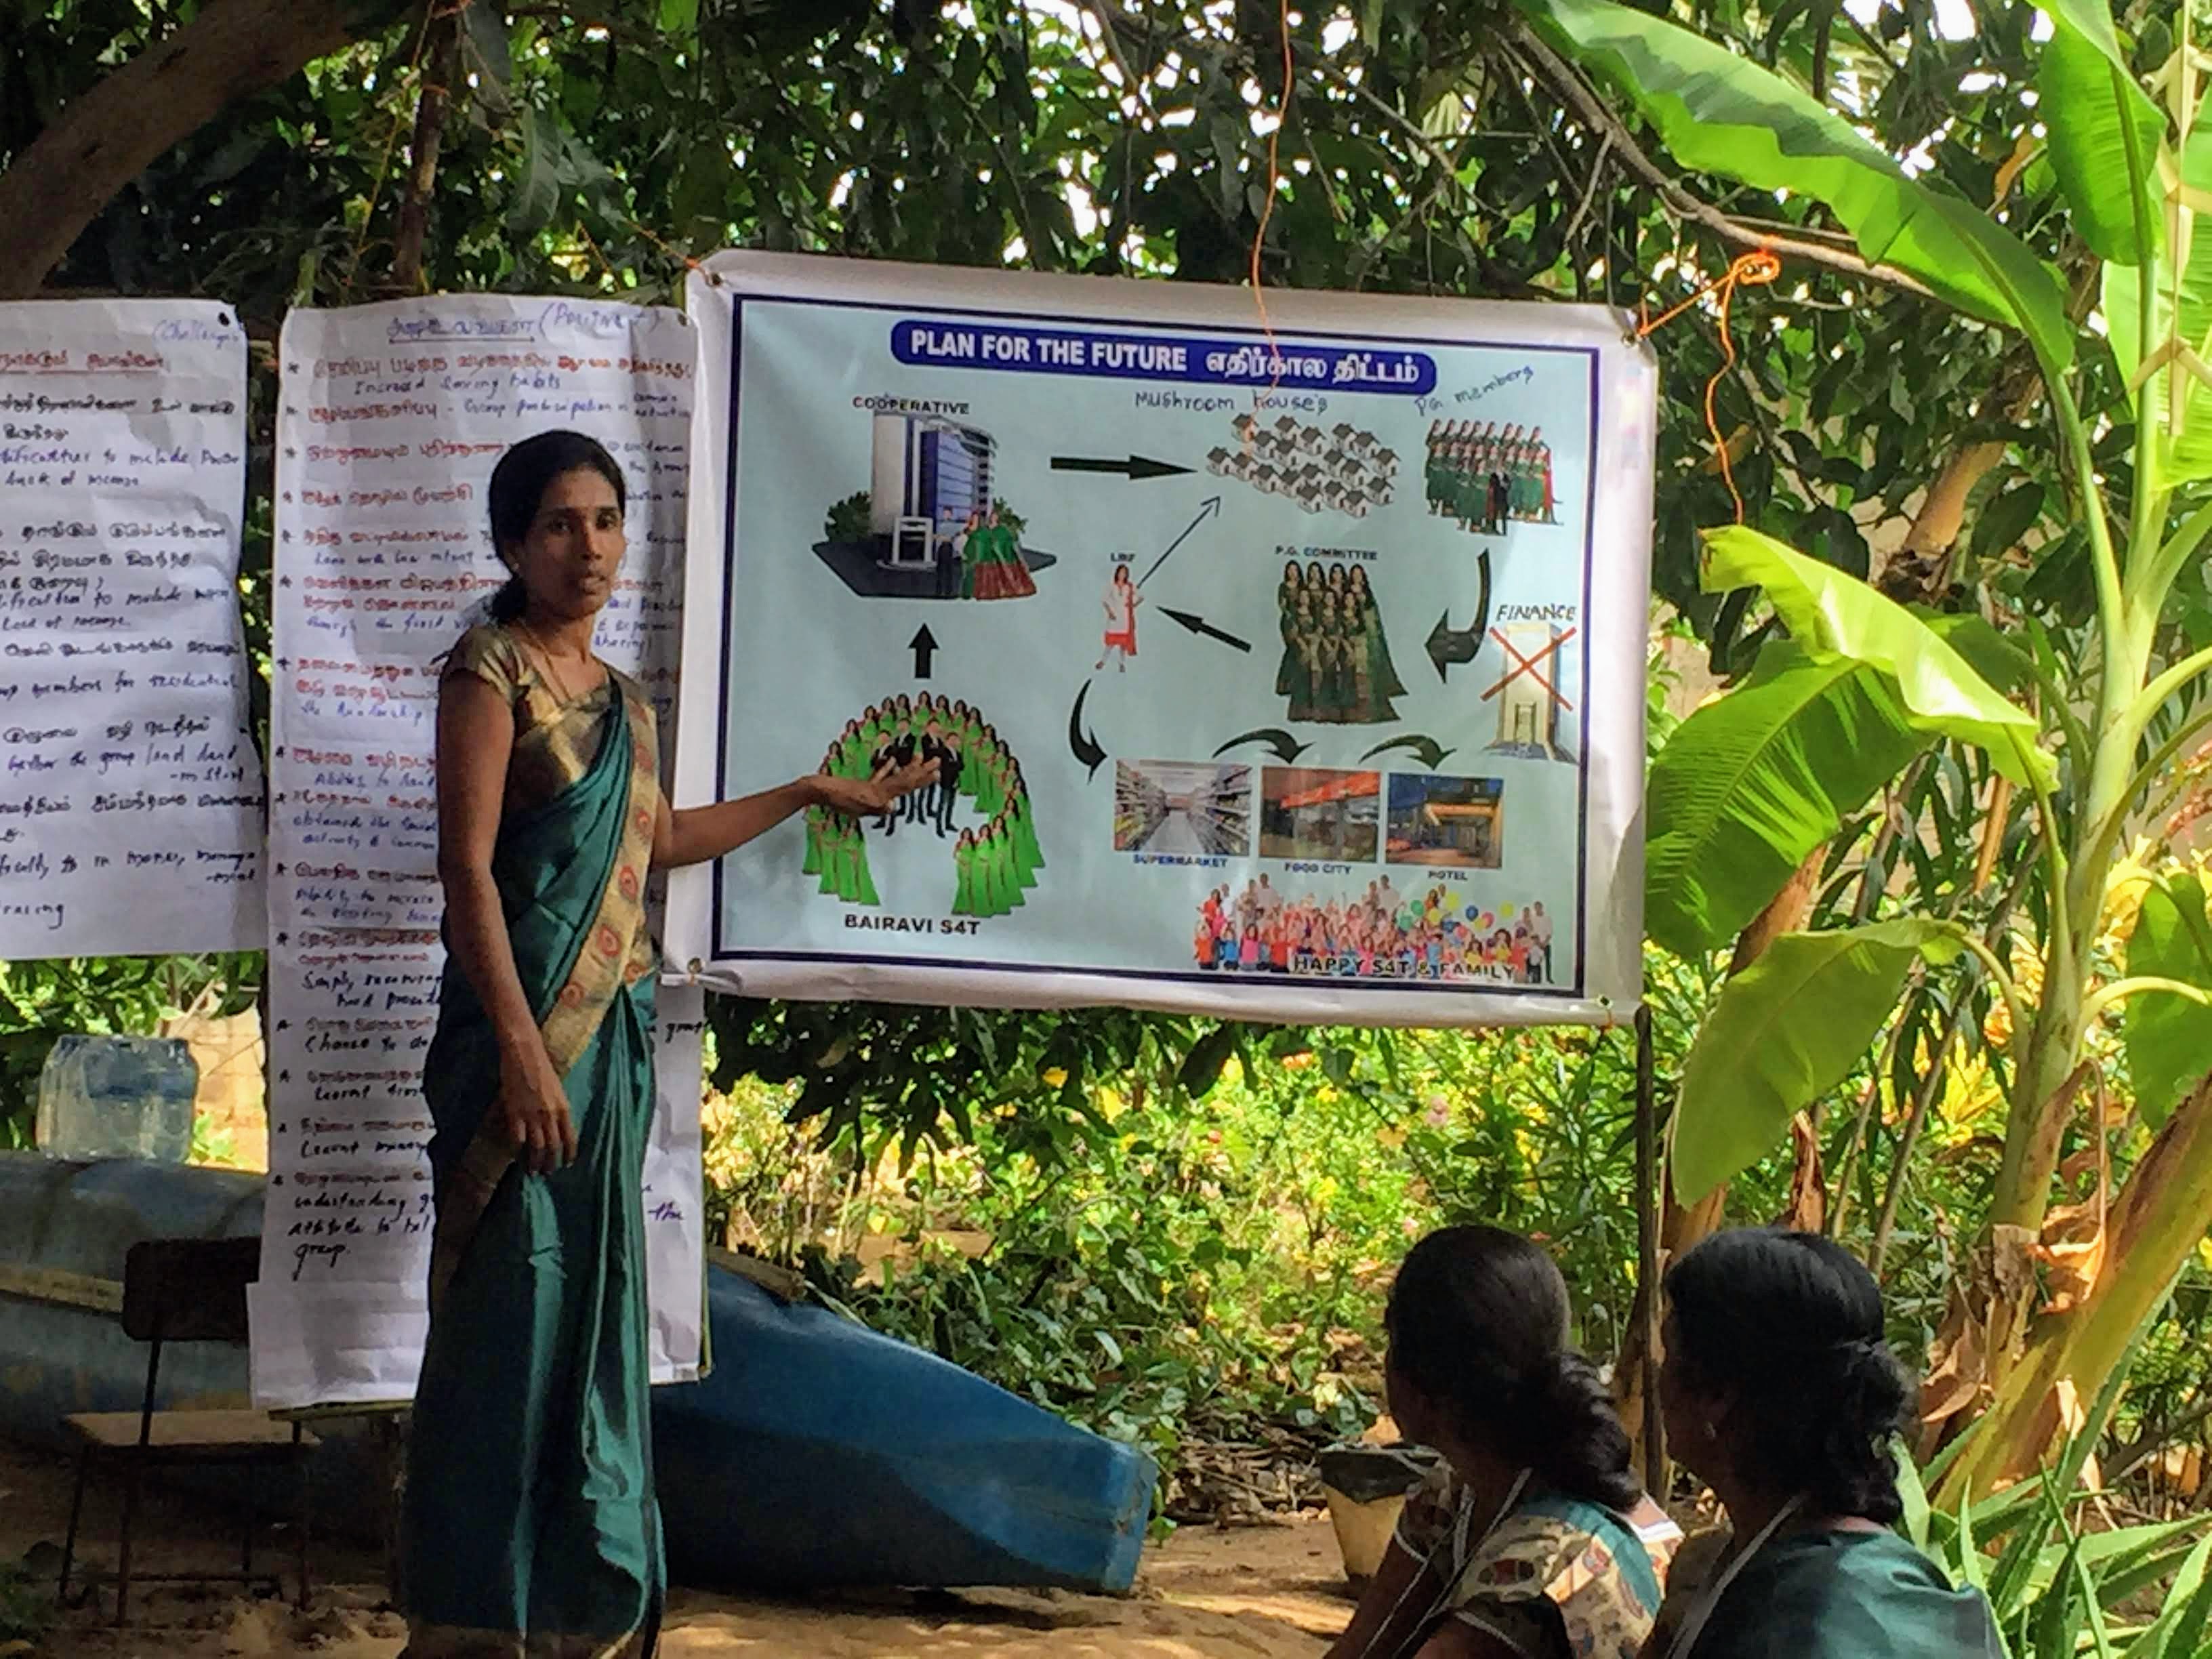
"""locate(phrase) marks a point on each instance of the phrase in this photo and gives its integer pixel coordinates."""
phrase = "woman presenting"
(530, 1519)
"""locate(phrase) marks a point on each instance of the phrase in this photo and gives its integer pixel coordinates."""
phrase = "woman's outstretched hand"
(868, 797)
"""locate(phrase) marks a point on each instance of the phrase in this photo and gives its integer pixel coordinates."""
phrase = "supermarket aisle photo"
(1201, 808)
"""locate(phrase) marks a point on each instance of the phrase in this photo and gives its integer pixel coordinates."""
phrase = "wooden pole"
(1647, 1253)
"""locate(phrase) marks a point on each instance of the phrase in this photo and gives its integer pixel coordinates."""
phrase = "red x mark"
(1527, 666)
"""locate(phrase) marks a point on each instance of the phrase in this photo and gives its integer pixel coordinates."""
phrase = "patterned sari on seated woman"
(538, 1326)
(1531, 1540)
(1556, 1577)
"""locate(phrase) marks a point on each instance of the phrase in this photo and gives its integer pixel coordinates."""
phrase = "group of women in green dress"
(1530, 1538)
(1484, 478)
(1335, 664)
(991, 562)
(995, 864)
(998, 862)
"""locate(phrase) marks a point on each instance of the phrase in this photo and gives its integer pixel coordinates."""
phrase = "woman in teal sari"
(531, 1528)
(1781, 1394)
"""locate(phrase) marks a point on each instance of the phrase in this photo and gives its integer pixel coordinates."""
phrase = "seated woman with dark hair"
(1782, 1395)
(1533, 1540)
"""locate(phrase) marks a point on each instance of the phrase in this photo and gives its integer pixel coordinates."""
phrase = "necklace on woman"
(545, 657)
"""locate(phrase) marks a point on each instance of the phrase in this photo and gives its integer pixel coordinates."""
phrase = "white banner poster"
(391, 421)
(1286, 666)
(130, 795)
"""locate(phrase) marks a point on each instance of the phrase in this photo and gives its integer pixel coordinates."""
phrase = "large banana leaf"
(2169, 1037)
(2105, 132)
(2189, 454)
(1755, 780)
(1784, 1032)
(1723, 114)
(1829, 609)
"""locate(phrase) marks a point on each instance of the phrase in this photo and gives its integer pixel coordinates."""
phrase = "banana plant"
(1855, 689)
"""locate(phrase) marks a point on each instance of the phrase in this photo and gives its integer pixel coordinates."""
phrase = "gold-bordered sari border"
(606, 966)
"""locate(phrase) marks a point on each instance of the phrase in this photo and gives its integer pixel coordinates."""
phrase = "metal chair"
(186, 1290)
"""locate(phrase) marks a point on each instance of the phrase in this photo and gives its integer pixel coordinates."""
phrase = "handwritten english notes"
(390, 421)
(131, 790)
(340, 1312)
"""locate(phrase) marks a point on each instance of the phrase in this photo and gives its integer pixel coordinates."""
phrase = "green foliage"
(2105, 132)
(26, 1609)
(849, 519)
(1720, 113)
(2169, 1036)
(2187, 456)
(1753, 783)
(1784, 1032)
(41, 1000)
(2056, 1584)
(927, 1076)
(1173, 1267)
(1826, 610)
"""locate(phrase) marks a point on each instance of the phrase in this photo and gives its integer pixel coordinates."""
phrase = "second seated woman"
(1781, 1394)
(1532, 1540)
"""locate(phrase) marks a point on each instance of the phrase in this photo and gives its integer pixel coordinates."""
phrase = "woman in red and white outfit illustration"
(1122, 602)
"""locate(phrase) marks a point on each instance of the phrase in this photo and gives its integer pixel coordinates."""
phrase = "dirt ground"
(1254, 1593)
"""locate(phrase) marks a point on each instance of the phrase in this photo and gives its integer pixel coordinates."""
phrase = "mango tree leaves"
(2169, 1037)
(1784, 1032)
(1723, 114)
(1826, 610)
(2105, 132)
(556, 167)
(1754, 781)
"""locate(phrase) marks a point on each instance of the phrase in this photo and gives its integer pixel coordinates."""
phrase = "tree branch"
(129, 118)
(442, 55)
(1591, 110)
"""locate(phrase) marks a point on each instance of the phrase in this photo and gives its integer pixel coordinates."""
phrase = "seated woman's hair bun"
(1789, 1324)
(1478, 1322)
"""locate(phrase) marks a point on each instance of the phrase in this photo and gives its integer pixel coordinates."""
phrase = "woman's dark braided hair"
(1790, 1326)
(519, 484)
(1477, 1322)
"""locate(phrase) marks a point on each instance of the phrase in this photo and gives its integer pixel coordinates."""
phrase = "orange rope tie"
(1757, 267)
(1268, 202)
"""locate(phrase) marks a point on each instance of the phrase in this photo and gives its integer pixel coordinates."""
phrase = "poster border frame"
(1609, 796)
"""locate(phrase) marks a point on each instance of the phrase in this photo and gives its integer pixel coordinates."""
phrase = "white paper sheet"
(392, 418)
(131, 790)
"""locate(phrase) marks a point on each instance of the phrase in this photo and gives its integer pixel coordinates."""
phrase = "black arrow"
(924, 646)
(1448, 644)
(1084, 745)
(1135, 467)
(1287, 747)
(1200, 625)
(1212, 506)
(1427, 750)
